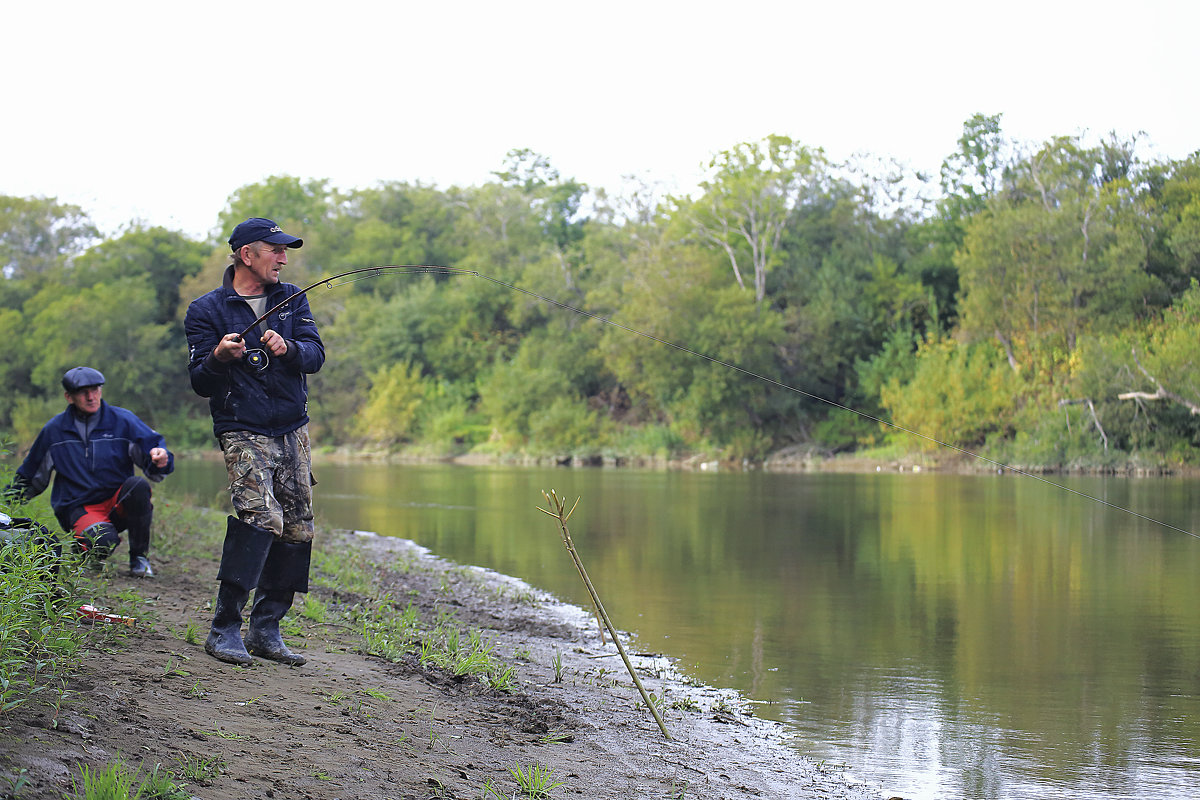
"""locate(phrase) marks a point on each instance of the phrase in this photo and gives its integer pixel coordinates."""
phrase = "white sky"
(158, 111)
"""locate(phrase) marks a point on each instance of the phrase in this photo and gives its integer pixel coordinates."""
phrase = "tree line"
(1034, 302)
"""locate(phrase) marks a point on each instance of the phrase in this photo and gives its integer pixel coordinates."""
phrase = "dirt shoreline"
(348, 726)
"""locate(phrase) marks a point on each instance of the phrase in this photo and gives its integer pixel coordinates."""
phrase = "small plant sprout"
(490, 792)
(685, 704)
(558, 666)
(17, 783)
(200, 769)
(160, 784)
(223, 734)
(537, 782)
(171, 669)
(502, 680)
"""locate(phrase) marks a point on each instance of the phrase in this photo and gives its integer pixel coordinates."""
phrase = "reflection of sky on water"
(938, 636)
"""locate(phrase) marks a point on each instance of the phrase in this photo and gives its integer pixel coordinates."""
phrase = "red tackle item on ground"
(94, 614)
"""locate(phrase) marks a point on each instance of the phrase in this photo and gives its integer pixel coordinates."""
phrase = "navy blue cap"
(257, 229)
(78, 378)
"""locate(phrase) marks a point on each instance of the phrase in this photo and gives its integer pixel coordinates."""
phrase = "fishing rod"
(417, 269)
(365, 272)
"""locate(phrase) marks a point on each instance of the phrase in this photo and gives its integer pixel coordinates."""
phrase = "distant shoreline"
(789, 460)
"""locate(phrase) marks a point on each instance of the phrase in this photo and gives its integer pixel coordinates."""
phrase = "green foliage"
(536, 782)
(155, 256)
(38, 233)
(1176, 203)
(957, 395)
(815, 275)
(39, 642)
(745, 204)
(567, 426)
(448, 422)
(113, 782)
(396, 394)
(289, 201)
(120, 781)
(1058, 256)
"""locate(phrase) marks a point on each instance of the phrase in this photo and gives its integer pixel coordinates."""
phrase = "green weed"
(223, 734)
(160, 785)
(39, 638)
(119, 781)
(537, 782)
(685, 704)
(113, 782)
(314, 609)
(502, 679)
(171, 669)
(200, 769)
(17, 783)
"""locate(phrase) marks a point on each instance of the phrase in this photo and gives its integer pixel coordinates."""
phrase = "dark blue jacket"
(271, 401)
(91, 471)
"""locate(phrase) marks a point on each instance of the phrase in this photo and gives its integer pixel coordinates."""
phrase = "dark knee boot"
(139, 547)
(135, 503)
(242, 558)
(284, 574)
(224, 641)
(263, 637)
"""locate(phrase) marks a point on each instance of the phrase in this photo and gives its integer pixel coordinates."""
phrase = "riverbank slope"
(350, 725)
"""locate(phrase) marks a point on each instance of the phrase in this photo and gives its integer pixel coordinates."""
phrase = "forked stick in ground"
(557, 509)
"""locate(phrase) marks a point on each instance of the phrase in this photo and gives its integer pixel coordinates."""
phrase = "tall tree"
(745, 204)
(1058, 253)
(38, 233)
(156, 256)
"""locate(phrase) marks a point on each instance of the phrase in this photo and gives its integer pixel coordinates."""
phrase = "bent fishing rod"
(364, 273)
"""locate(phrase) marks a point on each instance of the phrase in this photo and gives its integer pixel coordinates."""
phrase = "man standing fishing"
(90, 451)
(255, 376)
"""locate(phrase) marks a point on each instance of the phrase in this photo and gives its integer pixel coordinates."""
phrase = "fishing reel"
(257, 359)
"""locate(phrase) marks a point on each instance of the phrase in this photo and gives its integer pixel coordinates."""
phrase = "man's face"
(265, 261)
(86, 400)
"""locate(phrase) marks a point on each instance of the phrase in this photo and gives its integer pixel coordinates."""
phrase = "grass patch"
(119, 781)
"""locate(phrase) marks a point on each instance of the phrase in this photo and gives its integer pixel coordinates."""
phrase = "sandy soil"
(351, 726)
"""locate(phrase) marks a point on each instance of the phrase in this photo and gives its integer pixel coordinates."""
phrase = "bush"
(39, 642)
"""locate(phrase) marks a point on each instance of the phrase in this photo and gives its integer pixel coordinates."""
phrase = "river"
(992, 637)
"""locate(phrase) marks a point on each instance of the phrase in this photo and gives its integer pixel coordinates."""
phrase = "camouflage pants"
(270, 481)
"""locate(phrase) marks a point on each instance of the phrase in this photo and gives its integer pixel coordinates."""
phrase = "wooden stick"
(559, 512)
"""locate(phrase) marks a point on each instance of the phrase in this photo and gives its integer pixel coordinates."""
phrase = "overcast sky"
(159, 111)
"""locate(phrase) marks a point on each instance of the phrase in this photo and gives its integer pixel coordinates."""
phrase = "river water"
(937, 636)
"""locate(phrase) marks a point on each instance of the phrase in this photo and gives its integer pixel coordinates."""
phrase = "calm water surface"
(939, 636)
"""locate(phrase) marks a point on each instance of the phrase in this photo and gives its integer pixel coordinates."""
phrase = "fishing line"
(370, 272)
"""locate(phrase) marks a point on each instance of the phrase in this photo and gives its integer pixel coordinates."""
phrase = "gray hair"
(235, 258)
